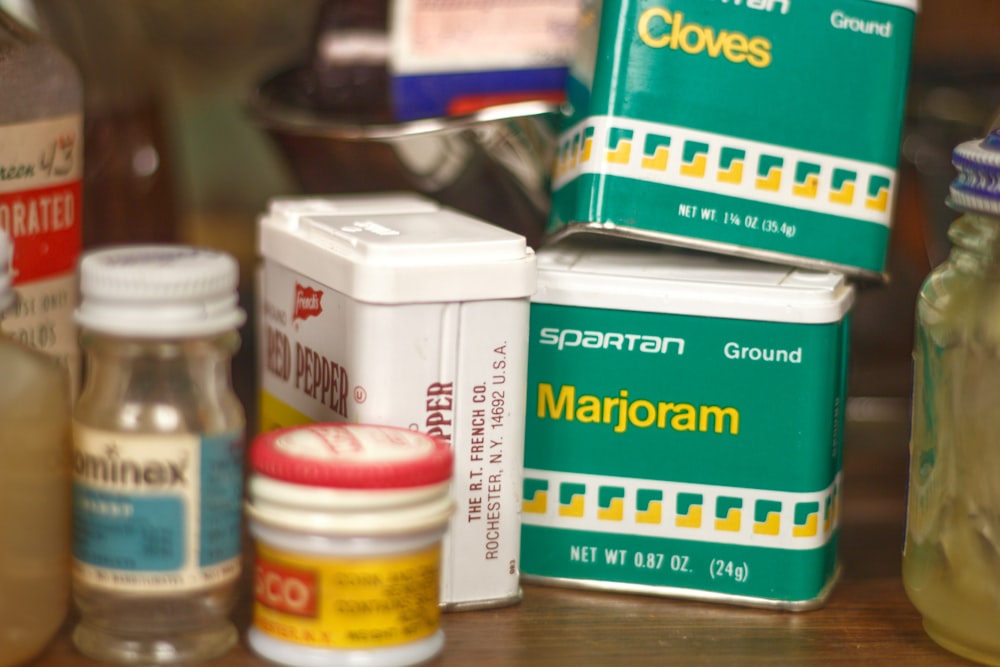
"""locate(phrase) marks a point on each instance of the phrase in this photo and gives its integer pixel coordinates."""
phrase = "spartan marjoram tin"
(684, 428)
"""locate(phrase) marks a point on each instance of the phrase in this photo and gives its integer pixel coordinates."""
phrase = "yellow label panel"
(347, 603)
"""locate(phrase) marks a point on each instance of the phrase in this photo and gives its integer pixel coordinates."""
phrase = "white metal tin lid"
(905, 4)
(351, 204)
(660, 279)
(410, 251)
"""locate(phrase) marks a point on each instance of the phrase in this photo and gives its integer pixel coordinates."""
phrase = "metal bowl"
(495, 163)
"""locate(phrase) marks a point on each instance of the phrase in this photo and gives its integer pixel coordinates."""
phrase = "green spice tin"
(684, 429)
(760, 128)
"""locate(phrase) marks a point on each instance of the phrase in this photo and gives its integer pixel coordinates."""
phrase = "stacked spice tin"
(766, 129)
(684, 424)
(721, 180)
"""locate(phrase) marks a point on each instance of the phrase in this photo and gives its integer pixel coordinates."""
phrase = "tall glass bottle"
(34, 491)
(41, 173)
(158, 437)
(951, 559)
(128, 185)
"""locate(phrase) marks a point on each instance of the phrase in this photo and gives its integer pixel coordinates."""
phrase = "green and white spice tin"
(760, 128)
(684, 427)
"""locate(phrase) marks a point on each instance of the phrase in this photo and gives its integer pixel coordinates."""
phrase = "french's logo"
(308, 302)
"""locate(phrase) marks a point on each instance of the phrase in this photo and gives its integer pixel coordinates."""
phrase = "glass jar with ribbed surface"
(158, 439)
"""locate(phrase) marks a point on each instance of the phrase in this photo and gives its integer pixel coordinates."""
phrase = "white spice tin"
(389, 309)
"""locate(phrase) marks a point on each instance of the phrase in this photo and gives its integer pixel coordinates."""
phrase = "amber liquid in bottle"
(34, 501)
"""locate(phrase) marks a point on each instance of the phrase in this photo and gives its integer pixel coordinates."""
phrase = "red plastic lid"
(352, 456)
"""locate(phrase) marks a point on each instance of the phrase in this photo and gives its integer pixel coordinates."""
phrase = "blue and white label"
(156, 512)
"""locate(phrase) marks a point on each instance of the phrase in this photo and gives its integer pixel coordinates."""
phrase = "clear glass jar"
(951, 558)
(158, 437)
(34, 492)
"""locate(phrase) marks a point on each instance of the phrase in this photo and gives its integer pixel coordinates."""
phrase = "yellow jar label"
(347, 603)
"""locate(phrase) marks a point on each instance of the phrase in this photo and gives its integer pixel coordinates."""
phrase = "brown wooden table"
(867, 620)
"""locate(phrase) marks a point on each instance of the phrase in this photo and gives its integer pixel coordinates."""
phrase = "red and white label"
(45, 227)
(308, 302)
(41, 183)
(286, 589)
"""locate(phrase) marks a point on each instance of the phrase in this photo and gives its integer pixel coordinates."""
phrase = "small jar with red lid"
(347, 521)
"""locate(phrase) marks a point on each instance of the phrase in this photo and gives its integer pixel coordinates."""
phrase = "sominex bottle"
(158, 437)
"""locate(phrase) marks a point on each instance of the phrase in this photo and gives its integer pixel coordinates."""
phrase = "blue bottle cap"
(977, 185)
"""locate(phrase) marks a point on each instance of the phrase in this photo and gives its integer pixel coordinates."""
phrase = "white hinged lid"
(660, 279)
(396, 248)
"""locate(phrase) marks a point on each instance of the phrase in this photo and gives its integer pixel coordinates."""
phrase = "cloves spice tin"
(389, 309)
(685, 425)
(760, 128)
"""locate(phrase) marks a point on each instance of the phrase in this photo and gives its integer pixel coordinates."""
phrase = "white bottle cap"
(6, 271)
(159, 291)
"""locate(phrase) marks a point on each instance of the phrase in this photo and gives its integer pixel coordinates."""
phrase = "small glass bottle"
(158, 436)
(951, 558)
(34, 491)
